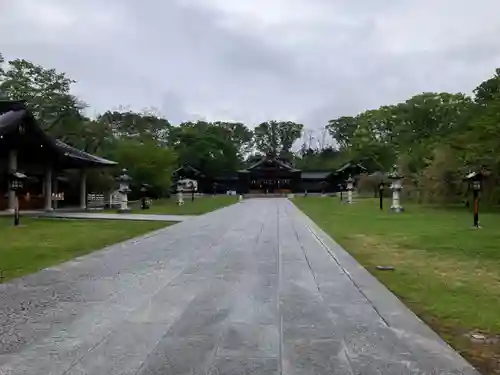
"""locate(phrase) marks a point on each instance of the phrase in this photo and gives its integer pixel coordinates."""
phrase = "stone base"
(397, 209)
(124, 210)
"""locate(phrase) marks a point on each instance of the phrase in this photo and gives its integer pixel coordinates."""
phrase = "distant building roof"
(316, 175)
(350, 166)
(266, 159)
(187, 168)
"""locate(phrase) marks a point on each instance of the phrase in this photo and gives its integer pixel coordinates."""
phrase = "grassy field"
(446, 272)
(201, 205)
(40, 243)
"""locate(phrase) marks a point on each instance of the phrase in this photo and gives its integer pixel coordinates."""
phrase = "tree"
(47, 93)
(277, 137)
(2, 72)
(140, 126)
(342, 130)
(146, 162)
(488, 90)
(203, 146)
(239, 134)
(326, 159)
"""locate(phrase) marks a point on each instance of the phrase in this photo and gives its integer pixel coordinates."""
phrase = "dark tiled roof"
(315, 175)
(188, 167)
(11, 105)
(273, 160)
(74, 153)
(350, 166)
(11, 119)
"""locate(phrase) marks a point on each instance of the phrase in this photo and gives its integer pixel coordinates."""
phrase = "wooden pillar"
(83, 189)
(12, 167)
(56, 191)
(47, 183)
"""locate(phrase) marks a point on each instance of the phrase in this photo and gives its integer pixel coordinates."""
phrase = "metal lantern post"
(476, 188)
(381, 186)
(124, 180)
(350, 189)
(396, 187)
(144, 197)
(323, 188)
(16, 180)
(475, 182)
(191, 186)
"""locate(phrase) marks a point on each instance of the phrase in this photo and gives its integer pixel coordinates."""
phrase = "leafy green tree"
(47, 93)
(237, 133)
(132, 125)
(277, 137)
(488, 90)
(203, 146)
(2, 72)
(145, 161)
(326, 159)
(342, 130)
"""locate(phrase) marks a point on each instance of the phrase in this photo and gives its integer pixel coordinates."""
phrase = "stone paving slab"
(109, 216)
(254, 288)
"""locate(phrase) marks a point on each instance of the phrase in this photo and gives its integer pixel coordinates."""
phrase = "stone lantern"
(396, 187)
(16, 183)
(180, 197)
(124, 180)
(349, 188)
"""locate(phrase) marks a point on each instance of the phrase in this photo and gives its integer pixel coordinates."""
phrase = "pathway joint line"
(347, 274)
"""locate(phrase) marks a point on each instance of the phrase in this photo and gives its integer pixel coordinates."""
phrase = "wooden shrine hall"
(26, 148)
(269, 175)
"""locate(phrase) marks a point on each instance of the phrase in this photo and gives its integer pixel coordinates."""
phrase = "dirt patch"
(484, 349)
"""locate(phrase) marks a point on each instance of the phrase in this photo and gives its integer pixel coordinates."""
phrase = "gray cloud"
(253, 60)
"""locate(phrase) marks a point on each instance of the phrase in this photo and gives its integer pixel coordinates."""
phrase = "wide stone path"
(254, 288)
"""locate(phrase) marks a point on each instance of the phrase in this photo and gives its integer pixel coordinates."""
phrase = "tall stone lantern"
(180, 195)
(396, 187)
(349, 188)
(124, 180)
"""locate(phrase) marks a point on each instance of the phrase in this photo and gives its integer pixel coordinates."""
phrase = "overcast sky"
(256, 60)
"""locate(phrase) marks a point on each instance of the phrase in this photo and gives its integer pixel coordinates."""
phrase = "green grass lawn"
(40, 243)
(446, 272)
(201, 205)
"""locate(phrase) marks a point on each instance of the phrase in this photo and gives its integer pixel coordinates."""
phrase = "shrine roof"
(15, 119)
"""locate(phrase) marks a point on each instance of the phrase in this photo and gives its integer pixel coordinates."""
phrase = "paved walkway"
(254, 288)
(108, 216)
